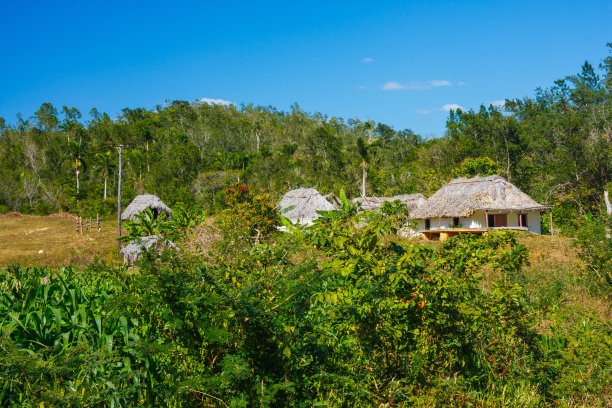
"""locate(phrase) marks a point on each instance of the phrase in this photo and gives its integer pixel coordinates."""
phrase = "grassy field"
(52, 241)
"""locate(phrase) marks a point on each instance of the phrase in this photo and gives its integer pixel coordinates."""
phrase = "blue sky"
(403, 63)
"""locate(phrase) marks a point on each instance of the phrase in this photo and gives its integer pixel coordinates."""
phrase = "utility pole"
(119, 201)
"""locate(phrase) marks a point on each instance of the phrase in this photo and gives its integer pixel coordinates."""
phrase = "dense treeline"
(556, 146)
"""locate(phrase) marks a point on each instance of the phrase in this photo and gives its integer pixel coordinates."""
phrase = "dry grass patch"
(31, 240)
(201, 239)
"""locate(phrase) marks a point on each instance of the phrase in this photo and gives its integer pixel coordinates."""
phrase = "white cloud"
(498, 104)
(451, 106)
(392, 86)
(424, 111)
(367, 59)
(461, 83)
(212, 101)
(362, 87)
(440, 82)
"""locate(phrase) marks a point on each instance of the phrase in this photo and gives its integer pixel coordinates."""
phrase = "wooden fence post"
(98, 221)
(551, 225)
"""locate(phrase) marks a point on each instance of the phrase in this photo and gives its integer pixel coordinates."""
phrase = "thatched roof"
(135, 248)
(303, 203)
(461, 197)
(141, 202)
(412, 201)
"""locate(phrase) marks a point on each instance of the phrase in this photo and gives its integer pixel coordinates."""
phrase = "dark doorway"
(490, 220)
(522, 220)
(427, 224)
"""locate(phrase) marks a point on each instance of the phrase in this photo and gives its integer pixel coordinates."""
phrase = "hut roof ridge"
(303, 203)
(143, 201)
(462, 196)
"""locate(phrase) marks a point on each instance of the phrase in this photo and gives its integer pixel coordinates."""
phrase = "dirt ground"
(52, 241)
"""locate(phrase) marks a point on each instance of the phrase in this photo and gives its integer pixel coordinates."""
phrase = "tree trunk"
(609, 211)
(257, 136)
(105, 179)
(363, 182)
(77, 177)
(508, 176)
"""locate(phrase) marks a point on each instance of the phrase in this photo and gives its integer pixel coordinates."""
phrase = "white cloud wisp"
(212, 101)
(396, 86)
(451, 106)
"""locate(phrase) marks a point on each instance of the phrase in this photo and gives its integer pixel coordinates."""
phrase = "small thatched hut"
(412, 201)
(132, 251)
(302, 204)
(141, 202)
(480, 203)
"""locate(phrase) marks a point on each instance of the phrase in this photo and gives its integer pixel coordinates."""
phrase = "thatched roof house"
(141, 202)
(132, 251)
(302, 204)
(412, 201)
(480, 202)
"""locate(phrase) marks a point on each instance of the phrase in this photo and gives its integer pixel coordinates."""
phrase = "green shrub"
(595, 249)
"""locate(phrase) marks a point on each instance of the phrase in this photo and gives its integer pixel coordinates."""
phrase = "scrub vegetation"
(343, 313)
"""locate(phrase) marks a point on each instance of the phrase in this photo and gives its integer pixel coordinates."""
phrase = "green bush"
(595, 249)
(336, 315)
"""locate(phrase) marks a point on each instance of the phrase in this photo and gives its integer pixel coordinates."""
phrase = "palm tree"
(75, 154)
(104, 163)
(364, 147)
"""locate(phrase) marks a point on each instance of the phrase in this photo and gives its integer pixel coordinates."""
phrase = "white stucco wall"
(533, 222)
(477, 220)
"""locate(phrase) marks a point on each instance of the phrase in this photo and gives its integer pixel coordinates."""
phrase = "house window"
(501, 220)
(427, 224)
(456, 222)
(522, 218)
(497, 220)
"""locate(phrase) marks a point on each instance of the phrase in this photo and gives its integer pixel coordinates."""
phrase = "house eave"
(541, 208)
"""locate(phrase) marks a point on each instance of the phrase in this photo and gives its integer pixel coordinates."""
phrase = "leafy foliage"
(147, 223)
(249, 215)
(554, 146)
(352, 319)
(483, 166)
(595, 248)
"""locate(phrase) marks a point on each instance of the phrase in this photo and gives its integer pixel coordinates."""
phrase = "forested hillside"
(555, 145)
(344, 313)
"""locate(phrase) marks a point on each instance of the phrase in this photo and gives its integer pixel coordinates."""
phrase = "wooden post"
(551, 225)
(486, 219)
(98, 222)
(77, 225)
(80, 224)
